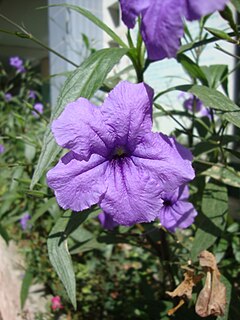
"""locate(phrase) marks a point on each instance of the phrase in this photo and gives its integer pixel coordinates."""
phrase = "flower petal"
(179, 215)
(78, 184)
(162, 28)
(195, 9)
(81, 129)
(168, 161)
(127, 111)
(131, 9)
(132, 195)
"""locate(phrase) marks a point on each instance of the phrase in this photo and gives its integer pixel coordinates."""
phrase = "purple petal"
(78, 184)
(195, 9)
(179, 215)
(132, 9)
(81, 129)
(107, 221)
(168, 161)
(132, 195)
(162, 28)
(127, 111)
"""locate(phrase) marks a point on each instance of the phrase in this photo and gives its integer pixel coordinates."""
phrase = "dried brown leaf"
(185, 287)
(212, 298)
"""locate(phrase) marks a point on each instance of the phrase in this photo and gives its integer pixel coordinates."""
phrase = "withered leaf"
(212, 298)
(185, 287)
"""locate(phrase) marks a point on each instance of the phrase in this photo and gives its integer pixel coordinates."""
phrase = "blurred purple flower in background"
(38, 107)
(8, 97)
(31, 94)
(177, 212)
(107, 221)
(17, 63)
(193, 104)
(2, 148)
(162, 21)
(115, 160)
(24, 221)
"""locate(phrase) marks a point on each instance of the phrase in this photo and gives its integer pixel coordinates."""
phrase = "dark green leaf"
(228, 16)
(26, 283)
(4, 234)
(83, 82)
(95, 20)
(211, 222)
(192, 68)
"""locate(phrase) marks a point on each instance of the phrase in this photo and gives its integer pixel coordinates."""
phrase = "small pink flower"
(56, 303)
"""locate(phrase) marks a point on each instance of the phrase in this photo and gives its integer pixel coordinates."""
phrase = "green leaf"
(44, 208)
(228, 16)
(95, 20)
(211, 222)
(220, 34)
(192, 68)
(236, 4)
(224, 174)
(60, 257)
(216, 100)
(4, 234)
(228, 286)
(83, 82)
(216, 74)
(26, 283)
(58, 248)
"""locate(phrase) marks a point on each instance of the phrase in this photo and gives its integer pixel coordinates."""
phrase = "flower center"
(119, 153)
(167, 203)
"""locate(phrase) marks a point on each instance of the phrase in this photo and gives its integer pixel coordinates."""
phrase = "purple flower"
(17, 63)
(38, 107)
(192, 103)
(162, 21)
(107, 221)
(8, 97)
(31, 94)
(115, 160)
(24, 221)
(177, 212)
(2, 148)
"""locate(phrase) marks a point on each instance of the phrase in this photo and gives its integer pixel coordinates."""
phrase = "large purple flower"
(176, 211)
(115, 160)
(162, 21)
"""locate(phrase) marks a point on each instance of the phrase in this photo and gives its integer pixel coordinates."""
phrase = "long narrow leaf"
(95, 20)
